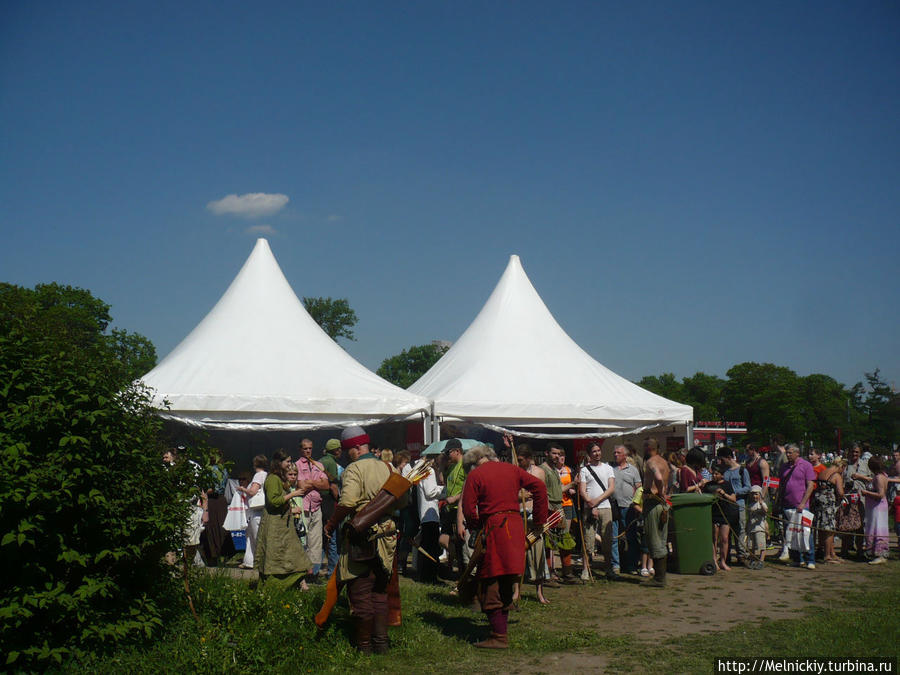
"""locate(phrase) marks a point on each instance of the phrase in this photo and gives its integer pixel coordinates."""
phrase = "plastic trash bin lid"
(691, 498)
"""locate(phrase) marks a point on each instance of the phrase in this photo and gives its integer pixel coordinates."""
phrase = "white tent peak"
(515, 366)
(259, 360)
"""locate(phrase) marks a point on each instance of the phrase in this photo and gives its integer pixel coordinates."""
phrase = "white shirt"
(605, 473)
(429, 495)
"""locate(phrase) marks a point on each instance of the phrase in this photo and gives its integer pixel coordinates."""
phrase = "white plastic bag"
(237, 514)
(799, 528)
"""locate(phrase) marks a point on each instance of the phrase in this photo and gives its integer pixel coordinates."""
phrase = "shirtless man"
(656, 510)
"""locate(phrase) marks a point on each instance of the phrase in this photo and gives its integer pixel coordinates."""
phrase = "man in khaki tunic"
(365, 566)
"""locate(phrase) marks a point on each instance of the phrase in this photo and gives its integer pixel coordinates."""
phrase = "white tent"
(515, 369)
(259, 361)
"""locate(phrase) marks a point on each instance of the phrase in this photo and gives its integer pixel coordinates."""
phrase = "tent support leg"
(435, 426)
(432, 427)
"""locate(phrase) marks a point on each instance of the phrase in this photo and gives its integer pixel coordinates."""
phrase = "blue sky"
(688, 185)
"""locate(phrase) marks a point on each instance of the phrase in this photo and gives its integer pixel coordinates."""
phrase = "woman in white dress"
(255, 500)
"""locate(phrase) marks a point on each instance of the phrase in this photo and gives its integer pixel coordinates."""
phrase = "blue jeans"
(626, 551)
(617, 526)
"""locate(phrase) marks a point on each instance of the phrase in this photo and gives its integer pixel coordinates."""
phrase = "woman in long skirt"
(280, 557)
(876, 514)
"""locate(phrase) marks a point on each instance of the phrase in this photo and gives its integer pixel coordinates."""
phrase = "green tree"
(75, 318)
(767, 397)
(704, 392)
(335, 317)
(881, 406)
(824, 408)
(87, 509)
(135, 354)
(666, 385)
(70, 315)
(405, 368)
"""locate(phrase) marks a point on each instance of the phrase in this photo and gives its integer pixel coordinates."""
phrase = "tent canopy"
(259, 361)
(508, 377)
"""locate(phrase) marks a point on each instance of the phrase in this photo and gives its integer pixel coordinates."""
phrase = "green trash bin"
(692, 533)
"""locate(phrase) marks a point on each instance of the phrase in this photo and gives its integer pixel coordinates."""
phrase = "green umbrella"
(437, 447)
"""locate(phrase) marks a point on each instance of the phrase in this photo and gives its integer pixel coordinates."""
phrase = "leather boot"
(659, 577)
(364, 635)
(380, 641)
(567, 577)
(495, 641)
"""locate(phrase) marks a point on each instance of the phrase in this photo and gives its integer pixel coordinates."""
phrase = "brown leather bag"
(381, 504)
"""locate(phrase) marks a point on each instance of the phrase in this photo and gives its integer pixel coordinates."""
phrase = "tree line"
(815, 409)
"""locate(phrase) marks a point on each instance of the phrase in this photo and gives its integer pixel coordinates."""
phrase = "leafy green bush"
(87, 509)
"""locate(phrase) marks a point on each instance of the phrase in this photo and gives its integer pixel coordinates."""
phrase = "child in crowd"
(725, 513)
(646, 561)
(297, 505)
(757, 525)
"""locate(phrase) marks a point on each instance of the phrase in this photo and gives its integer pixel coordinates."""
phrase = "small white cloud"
(261, 229)
(250, 205)
(333, 218)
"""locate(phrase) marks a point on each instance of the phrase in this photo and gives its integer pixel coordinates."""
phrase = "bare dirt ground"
(690, 604)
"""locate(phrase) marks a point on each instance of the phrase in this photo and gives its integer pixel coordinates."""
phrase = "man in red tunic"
(490, 502)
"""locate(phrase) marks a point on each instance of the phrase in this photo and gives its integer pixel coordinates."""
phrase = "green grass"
(242, 629)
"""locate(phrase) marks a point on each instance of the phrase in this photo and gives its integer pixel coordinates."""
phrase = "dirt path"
(694, 604)
(689, 605)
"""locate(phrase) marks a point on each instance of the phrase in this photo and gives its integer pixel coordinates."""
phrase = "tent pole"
(688, 435)
(435, 426)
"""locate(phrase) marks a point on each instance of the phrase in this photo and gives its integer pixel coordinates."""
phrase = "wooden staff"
(585, 561)
(395, 613)
(515, 459)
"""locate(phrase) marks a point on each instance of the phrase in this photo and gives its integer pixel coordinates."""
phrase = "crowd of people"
(614, 516)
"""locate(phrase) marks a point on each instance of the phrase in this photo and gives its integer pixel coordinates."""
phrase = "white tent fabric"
(259, 361)
(516, 369)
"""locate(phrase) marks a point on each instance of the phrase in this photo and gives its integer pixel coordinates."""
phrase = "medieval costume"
(491, 504)
(280, 557)
(366, 561)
